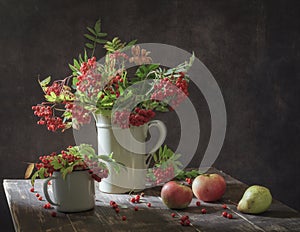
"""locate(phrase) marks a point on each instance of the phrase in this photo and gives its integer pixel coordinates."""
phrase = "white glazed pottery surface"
(74, 194)
(133, 177)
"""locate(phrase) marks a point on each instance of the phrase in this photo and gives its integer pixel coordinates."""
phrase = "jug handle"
(162, 136)
(45, 188)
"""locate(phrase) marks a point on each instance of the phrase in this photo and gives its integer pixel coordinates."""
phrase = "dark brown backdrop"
(251, 48)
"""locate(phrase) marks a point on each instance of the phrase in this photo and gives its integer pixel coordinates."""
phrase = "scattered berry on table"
(53, 214)
(198, 203)
(149, 204)
(117, 210)
(40, 198)
(136, 208)
(229, 216)
(37, 195)
(173, 214)
(124, 218)
(224, 206)
(224, 214)
(32, 190)
(203, 211)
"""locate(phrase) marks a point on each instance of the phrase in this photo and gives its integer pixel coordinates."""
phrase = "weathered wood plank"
(28, 213)
(278, 217)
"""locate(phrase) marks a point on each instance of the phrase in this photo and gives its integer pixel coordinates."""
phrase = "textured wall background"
(251, 48)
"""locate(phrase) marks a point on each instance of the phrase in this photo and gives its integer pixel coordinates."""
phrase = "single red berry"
(198, 203)
(115, 205)
(224, 206)
(149, 204)
(184, 217)
(203, 211)
(124, 218)
(137, 198)
(187, 222)
(40, 198)
(136, 208)
(32, 190)
(117, 210)
(37, 195)
(224, 214)
(112, 203)
(173, 214)
(53, 214)
(229, 216)
(132, 200)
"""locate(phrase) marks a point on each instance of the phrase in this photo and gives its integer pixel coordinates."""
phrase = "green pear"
(256, 199)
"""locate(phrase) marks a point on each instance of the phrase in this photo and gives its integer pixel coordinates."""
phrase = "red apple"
(176, 195)
(209, 187)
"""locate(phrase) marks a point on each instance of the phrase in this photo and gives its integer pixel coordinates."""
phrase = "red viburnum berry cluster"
(138, 117)
(47, 118)
(172, 91)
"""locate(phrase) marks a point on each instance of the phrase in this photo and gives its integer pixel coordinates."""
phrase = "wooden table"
(29, 215)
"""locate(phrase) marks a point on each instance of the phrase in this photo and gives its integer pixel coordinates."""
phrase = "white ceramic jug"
(129, 148)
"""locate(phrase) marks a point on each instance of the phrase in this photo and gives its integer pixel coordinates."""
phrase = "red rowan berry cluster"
(138, 117)
(56, 88)
(162, 175)
(47, 118)
(69, 160)
(89, 82)
(79, 114)
(170, 90)
(113, 86)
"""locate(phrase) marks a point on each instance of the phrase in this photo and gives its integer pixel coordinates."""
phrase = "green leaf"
(89, 45)
(97, 26)
(76, 64)
(101, 41)
(92, 38)
(34, 176)
(49, 98)
(45, 82)
(92, 31)
(66, 171)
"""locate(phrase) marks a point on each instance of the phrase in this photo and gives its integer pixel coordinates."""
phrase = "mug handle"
(45, 188)
(162, 136)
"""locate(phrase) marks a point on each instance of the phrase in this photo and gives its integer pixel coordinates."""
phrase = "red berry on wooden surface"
(184, 217)
(224, 214)
(32, 190)
(132, 200)
(117, 210)
(149, 204)
(136, 208)
(40, 198)
(173, 214)
(224, 206)
(198, 203)
(37, 195)
(229, 216)
(124, 218)
(53, 214)
(203, 211)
